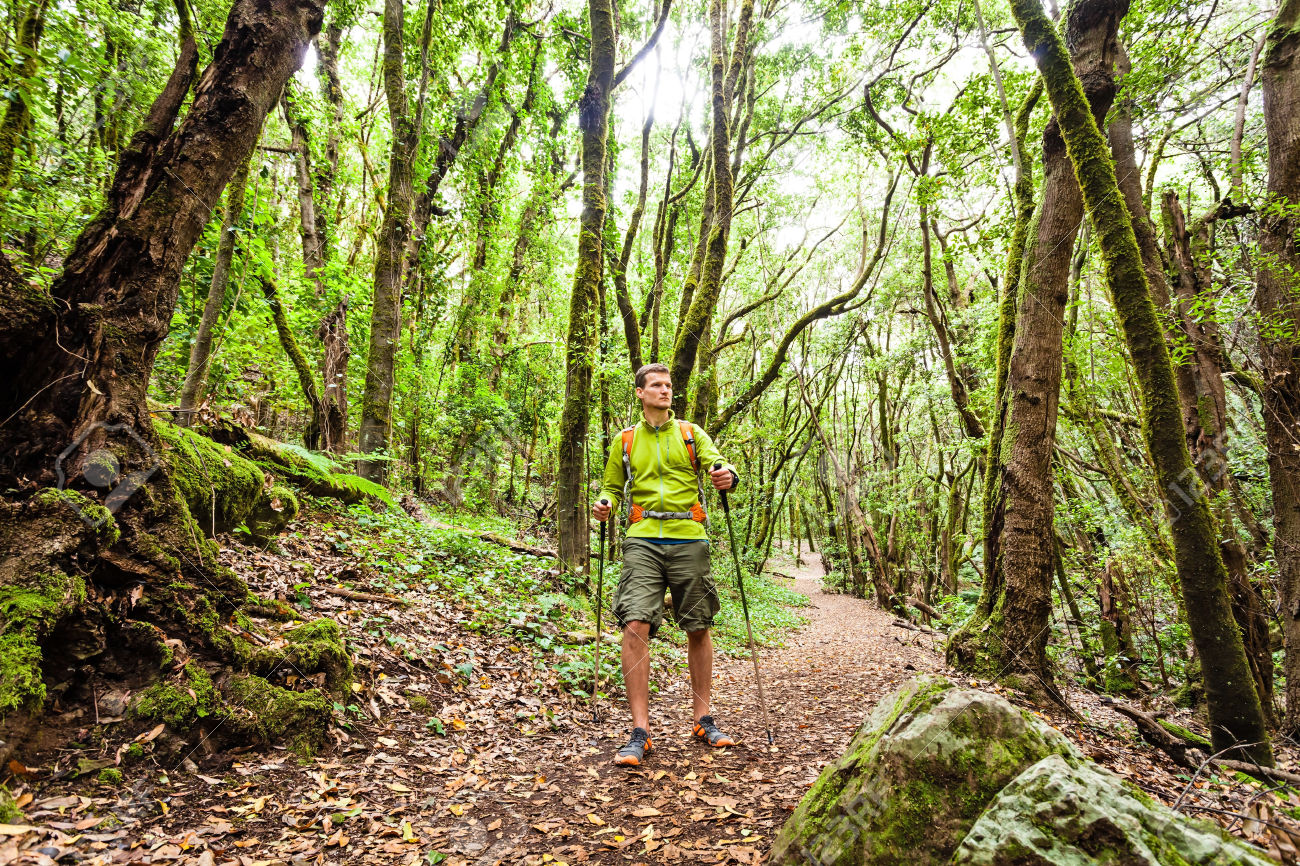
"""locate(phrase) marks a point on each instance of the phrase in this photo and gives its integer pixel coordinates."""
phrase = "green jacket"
(662, 478)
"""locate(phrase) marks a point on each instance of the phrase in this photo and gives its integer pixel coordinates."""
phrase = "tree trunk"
(17, 120)
(1012, 641)
(699, 315)
(1116, 641)
(196, 375)
(87, 404)
(1278, 303)
(331, 86)
(333, 335)
(580, 344)
(390, 252)
(306, 376)
(333, 328)
(1236, 718)
(1007, 305)
(1204, 400)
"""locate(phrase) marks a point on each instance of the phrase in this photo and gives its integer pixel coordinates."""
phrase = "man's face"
(658, 391)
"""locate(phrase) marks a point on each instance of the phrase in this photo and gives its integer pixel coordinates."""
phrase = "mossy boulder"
(318, 646)
(179, 702)
(915, 778)
(1063, 812)
(275, 508)
(219, 486)
(268, 713)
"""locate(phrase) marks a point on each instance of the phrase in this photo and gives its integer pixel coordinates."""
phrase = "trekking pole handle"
(726, 506)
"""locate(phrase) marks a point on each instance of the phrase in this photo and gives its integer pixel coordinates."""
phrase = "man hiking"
(654, 470)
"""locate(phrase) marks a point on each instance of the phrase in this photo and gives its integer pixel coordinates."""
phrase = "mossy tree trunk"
(1204, 399)
(1236, 718)
(1023, 191)
(580, 344)
(1199, 378)
(1277, 299)
(17, 120)
(196, 374)
(390, 250)
(1121, 676)
(80, 420)
(333, 328)
(698, 316)
(1012, 640)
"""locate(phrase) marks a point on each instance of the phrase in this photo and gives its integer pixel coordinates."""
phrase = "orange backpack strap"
(627, 437)
(688, 436)
(627, 442)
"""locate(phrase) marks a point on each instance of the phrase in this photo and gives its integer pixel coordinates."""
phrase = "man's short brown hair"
(647, 369)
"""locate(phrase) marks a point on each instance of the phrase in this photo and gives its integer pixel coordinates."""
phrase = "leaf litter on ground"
(464, 743)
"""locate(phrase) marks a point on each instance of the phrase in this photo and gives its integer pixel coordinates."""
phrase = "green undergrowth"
(527, 598)
(772, 607)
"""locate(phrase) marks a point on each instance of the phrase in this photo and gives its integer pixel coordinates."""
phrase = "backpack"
(635, 513)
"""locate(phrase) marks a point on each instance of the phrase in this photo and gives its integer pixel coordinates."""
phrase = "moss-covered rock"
(914, 778)
(179, 703)
(275, 508)
(29, 609)
(1072, 813)
(318, 646)
(110, 776)
(268, 713)
(219, 486)
(9, 811)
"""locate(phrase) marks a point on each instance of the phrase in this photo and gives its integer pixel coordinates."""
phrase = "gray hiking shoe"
(635, 751)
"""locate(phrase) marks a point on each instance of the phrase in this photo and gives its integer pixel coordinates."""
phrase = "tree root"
(1188, 751)
(137, 602)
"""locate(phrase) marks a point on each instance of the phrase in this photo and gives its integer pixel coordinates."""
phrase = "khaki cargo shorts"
(649, 569)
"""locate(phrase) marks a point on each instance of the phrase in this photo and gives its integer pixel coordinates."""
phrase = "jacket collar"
(668, 424)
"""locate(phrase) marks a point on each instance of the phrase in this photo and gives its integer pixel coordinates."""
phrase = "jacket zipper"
(660, 458)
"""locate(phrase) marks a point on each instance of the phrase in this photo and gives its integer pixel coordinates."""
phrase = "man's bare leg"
(636, 671)
(699, 658)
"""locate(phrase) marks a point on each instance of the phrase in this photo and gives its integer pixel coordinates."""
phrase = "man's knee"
(698, 636)
(637, 629)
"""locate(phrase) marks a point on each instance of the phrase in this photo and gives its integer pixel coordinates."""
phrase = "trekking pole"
(744, 606)
(600, 582)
